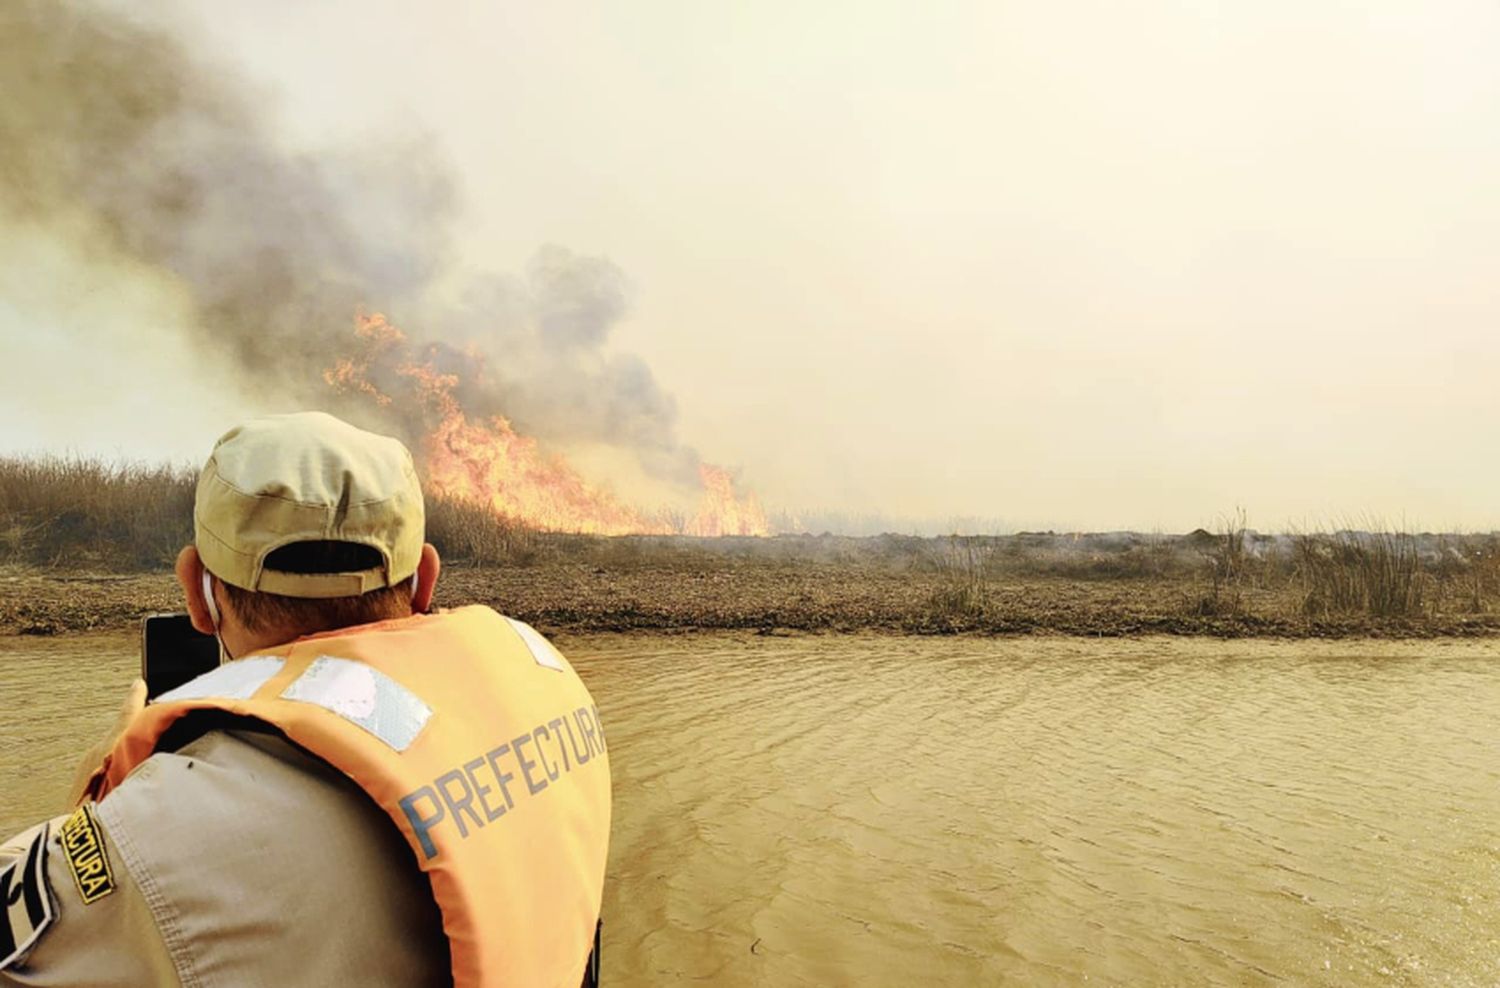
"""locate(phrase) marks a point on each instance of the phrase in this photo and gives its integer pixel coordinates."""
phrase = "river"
(867, 810)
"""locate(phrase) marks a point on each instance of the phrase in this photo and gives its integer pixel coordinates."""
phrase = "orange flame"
(488, 462)
(724, 513)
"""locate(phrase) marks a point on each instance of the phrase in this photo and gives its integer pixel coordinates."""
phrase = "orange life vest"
(479, 740)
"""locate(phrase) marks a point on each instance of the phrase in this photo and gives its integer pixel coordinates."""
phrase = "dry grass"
(79, 513)
(1466, 576)
(1228, 567)
(87, 513)
(962, 594)
(1377, 573)
(469, 533)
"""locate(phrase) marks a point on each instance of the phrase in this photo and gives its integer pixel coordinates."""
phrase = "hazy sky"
(1064, 264)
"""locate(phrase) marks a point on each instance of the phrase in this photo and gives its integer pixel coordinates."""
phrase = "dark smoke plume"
(115, 128)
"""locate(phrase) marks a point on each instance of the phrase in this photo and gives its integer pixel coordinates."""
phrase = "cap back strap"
(321, 584)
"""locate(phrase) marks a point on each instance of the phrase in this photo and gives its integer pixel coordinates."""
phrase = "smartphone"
(174, 652)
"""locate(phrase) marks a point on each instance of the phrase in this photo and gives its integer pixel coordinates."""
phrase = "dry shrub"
(1154, 559)
(1228, 569)
(1091, 557)
(1466, 573)
(1482, 581)
(963, 590)
(1375, 573)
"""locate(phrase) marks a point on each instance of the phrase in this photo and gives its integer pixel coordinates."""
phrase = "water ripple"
(871, 810)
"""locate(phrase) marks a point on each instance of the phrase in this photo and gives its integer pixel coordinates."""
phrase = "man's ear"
(428, 569)
(189, 570)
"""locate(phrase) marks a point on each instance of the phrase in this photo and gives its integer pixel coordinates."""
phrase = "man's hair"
(310, 615)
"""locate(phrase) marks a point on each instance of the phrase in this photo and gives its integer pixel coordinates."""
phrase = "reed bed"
(1377, 573)
(81, 512)
(85, 513)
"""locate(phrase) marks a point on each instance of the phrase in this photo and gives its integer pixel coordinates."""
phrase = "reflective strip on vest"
(236, 680)
(540, 648)
(362, 695)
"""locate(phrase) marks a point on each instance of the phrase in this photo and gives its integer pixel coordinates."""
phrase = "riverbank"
(724, 592)
(87, 545)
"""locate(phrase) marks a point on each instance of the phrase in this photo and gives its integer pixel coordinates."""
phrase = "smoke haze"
(1064, 265)
(232, 261)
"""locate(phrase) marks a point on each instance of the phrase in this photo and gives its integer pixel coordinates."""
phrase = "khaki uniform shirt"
(237, 860)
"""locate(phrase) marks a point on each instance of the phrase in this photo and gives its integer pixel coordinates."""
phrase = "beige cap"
(307, 477)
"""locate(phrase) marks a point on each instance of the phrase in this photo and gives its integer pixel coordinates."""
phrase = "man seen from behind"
(363, 792)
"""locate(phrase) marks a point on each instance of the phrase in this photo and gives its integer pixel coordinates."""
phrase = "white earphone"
(208, 598)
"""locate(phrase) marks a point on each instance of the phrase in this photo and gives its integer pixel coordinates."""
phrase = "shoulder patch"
(83, 846)
(26, 899)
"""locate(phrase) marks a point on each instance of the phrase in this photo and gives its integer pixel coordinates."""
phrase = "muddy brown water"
(869, 810)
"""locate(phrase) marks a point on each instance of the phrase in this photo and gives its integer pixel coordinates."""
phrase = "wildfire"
(724, 513)
(486, 461)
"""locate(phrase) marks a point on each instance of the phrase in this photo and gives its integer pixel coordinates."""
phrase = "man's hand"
(134, 703)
